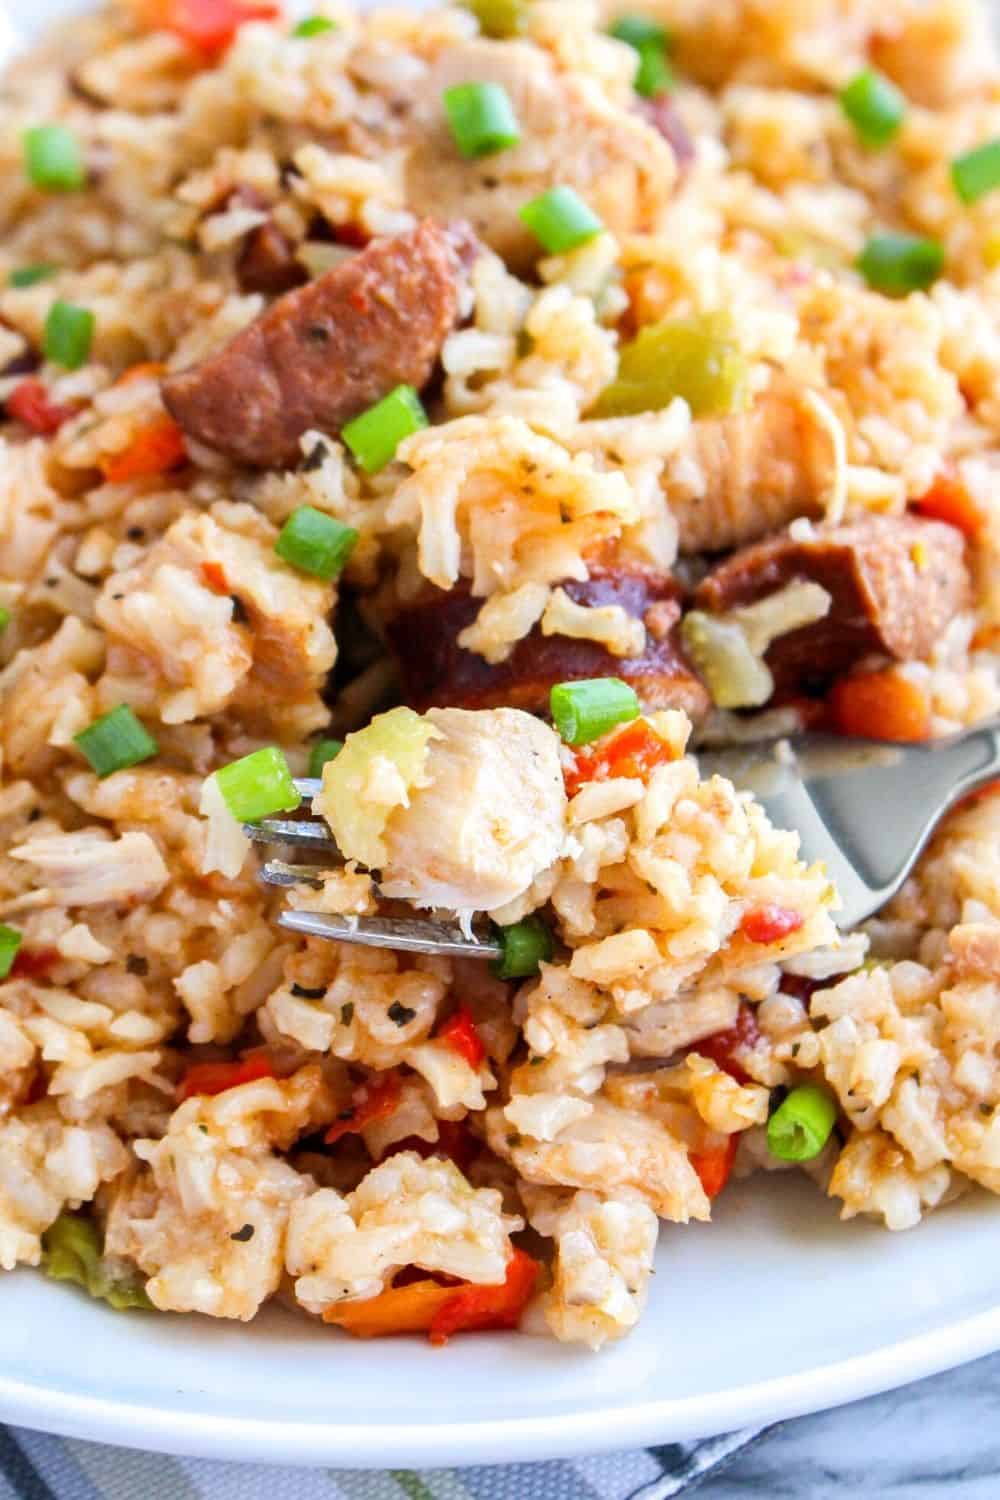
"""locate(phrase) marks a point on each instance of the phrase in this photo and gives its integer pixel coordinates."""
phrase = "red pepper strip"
(369, 1102)
(460, 1034)
(216, 1077)
(154, 449)
(410, 1308)
(770, 923)
(634, 750)
(725, 1047)
(714, 1166)
(209, 26)
(475, 1308)
(949, 500)
(881, 706)
(29, 403)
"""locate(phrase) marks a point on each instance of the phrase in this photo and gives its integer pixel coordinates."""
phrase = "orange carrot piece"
(155, 448)
(881, 706)
(949, 500)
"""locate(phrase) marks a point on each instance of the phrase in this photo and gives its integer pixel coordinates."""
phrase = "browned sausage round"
(437, 671)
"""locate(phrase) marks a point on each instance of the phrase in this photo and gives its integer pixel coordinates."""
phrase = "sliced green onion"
(482, 118)
(30, 275)
(69, 331)
(72, 1251)
(10, 941)
(800, 1127)
(321, 752)
(314, 26)
(258, 785)
(525, 945)
(583, 711)
(654, 74)
(374, 436)
(874, 106)
(53, 161)
(977, 172)
(116, 741)
(900, 263)
(499, 18)
(639, 31)
(315, 543)
(4, 618)
(560, 220)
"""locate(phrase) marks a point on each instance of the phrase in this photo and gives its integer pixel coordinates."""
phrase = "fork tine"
(296, 831)
(276, 872)
(419, 935)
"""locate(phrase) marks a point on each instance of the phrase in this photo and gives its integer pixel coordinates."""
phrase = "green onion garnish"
(53, 161)
(652, 42)
(374, 436)
(30, 275)
(560, 220)
(10, 941)
(874, 106)
(977, 172)
(639, 31)
(482, 118)
(69, 331)
(900, 263)
(583, 711)
(321, 752)
(116, 741)
(315, 543)
(525, 945)
(314, 26)
(800, 1127)
(654, 75)
(4, 618)
(258, 785)
(498, 18)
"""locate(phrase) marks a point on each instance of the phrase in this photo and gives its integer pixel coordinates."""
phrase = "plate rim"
(500, 1440)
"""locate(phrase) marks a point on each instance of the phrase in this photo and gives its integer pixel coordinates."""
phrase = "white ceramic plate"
(774, 1310)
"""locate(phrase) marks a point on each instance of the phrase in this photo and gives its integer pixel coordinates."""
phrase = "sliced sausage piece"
(320, 355)
(895, 583)
(437, 670)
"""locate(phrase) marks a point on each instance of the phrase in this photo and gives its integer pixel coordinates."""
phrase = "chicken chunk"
(738, 477)
(570, 134)
(459, 810)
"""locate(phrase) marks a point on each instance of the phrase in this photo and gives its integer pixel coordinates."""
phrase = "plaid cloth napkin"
(34, 1466)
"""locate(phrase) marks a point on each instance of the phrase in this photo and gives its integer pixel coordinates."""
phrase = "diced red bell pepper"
(770, 923)
(33, 963)
(881, 706)
(208, 26)
(455, 1141)
(30, 403)
(949, 500)
(477, 1308)
(425, 1306)
(155, 448)
(724, 1048)
(634, 750)
(217, 1077)
(369, 1102)
(714, 1166)
(460, 1034)
(214, 575)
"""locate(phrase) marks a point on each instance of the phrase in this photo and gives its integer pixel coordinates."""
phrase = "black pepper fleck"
(317, 333)
(306, 994)
(244, 1234)
(314, 458)
(135, 964)
(347, 1013)
(401, 1014)
(136, 534)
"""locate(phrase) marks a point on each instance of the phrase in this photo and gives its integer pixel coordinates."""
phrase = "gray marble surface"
(939, 1438)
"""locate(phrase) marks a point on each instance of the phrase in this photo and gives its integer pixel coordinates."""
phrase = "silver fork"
(865, 809)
